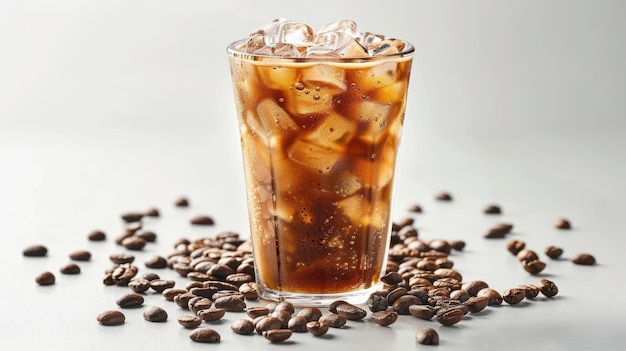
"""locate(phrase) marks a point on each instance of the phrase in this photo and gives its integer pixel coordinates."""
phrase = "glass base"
(317, 300)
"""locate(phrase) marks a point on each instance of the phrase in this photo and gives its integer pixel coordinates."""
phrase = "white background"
(112, 106)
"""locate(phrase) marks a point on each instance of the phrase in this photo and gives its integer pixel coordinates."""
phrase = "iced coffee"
(320, 116)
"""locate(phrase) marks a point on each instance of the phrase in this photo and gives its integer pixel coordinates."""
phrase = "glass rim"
(232, 49)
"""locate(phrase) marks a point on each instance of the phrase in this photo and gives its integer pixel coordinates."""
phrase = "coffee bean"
(155, 314)
(96, 235)
(402, 304)
(396, 294)
(553, 252)
(562, 223)
(254, 312)
(450, 315)
(147, 235)
(242, 327)
(134, 243)
(181, 202)
(232, 303)
(129, 217)
(211, 314)
(460, 294)
(123, 273)
(156, 262)
(121, 258)
(205, 335)
(110, 318)
(277, 335)
(170, 293)
(584, 259)
(498, 231)
(189, 322)
(317, 328)
(152, 212)
(182, 300)
(474, 286)
(130, 300)
(333, 320)
(392, 278)
(443, 196)
(534, 267)
(310, 313)
(415, 208)
(283, 316)
(266, 323)
(404, 222)
(548, 288)
(385, 318)
(45, 278)
(457, 245)
(198, 303)
(351, 312)
(285, 306)
(492, 209)
(448, 273)
(527, 255)
(424, 312)
(494, 296)
(159, 285)
(133, 227)
(377, 303)
(202, 220)
(150, 276)
(297, 324)
(427, 336)
(35, 251)
(514, 296)
(80, 255)
(139, 285)
(122, 236)
(249, 291)
(70, 268)
(515, 246)
(531, 291)
(440, 246)
(477, 303)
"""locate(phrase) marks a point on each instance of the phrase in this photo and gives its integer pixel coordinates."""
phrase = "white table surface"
(113, 106)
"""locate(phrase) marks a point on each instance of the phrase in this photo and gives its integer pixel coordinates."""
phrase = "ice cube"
(317, 158)
(303, 100)
(344, 26)
(282, 31)
(325, 77)
(256, 43)
(336, 44)
(368, 39)
(277, 77)
(273, 118)
(386, 47)
(379, 75)
(333, 132)
(377, 170)
(341, 182)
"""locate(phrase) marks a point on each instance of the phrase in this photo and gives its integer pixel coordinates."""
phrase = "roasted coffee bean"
(35, 251)
(384, 318)
(70, 268)
(181, 202)
(392, 278)
(121, 258)
(129, 217)
(492, 209)
(534, 267)
(477, 303)
(514, 296)
(397, 225)
(377, 303)
(156, 262)
(122, 236)
(427, 265)
(265, 323)
(443, 196)
(139, 285)
(317, 328)
(80, 255)
(415, 208)
(531, 291)
(395, 294)
(333, 320)
(123, 273)
(402, 304)
(457, 245)
(182, 300)
(134, 243)
(553, 252)
(439, 245)
(277, 335)
(254, 312)
(205, 335)
(310, 313)
(460, 294)
(220, 285)
(515, 246)
(96, 235)
(562, 223)
(283, 316)
(249, 291)
(186, 271)
(159, 285)
(427, 336)
(152, 212)
(189, 322)
(448, 273)
(211, 314)
(498, 231)
(133, 227)
(110, 318)
(584, 259)
(451, 283)
(202, 220)
(130, 300)
(150, 276)
(285, 306)
(226, 293)
(424, 312)
(147, 235)
(450, 315)
(197, 304)
(422, 294)
(297, 324)
(155, 314)
(351, 312)
(238, 279)
(548, 288)
(527, 255)
(242, 327)
(494, 296)
(45, 278)
(170, 293)
(204, 292)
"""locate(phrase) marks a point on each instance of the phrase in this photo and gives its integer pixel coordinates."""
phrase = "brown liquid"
(319, 143)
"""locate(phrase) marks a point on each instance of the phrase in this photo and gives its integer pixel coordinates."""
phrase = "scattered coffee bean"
(310, 313)
(527, 255)
(150, 276)
(443, 196)
(249, 290)
(285, 306)
(242, 327)
(277, 335)
(297, 324)
(170, 293)
(152, 212)
(474, 286)
(494, 296)
(231, 303)
(134, 243)
(449, 315)
(460, 294)
(70, 268)
(377, 303)
(110, 318)
(415, 208)
(548, 288)
(205, 335)
(534, 267)
(427, 336)
(385, 318)
(553, 252)
(392, 278)
(156, 262)
(133, 227)
(350, 312)
(265, 323)
(147, 235)
(155, 314)
(35, 251)
(96, 235)
(189, 322)
(121, 258)
(515, 246)
(492, 209)
(45, 278)
(254, 312)
(333, 320)
(424, 312)
(130, 217)
(402, 304)
(531, 290)
(584, 259)
(130, 300)
(317, 328)
(477, 303)
(159, 285)
(181, 202)
(498, 231)
(80, 255)
(457, 245)
(514, 296)
(202, 220)
(562, 223)
(211, 314)
(139, 285)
